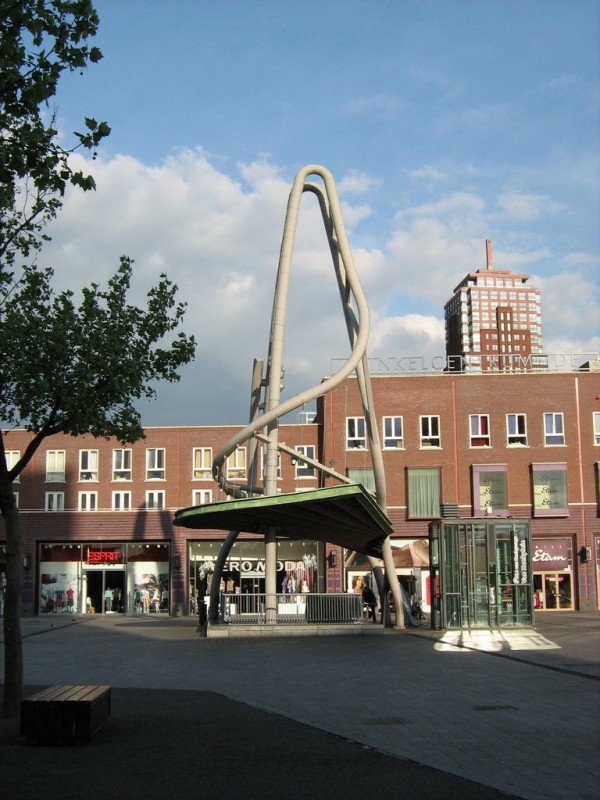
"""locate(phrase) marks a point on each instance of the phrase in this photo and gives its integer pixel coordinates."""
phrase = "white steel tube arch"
(357, 321)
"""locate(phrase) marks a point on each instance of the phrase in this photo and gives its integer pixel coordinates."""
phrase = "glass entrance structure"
(481, 573)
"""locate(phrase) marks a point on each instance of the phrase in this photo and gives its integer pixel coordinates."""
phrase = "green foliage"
(79, 368)
(39, 40)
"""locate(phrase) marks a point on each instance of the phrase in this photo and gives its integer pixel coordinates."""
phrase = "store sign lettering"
(104, 557)
(549, 555)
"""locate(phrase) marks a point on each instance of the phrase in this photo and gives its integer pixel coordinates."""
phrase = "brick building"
(494, 322)
(97, 516)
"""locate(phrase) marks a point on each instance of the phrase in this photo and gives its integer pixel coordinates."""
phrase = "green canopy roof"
(345, 515)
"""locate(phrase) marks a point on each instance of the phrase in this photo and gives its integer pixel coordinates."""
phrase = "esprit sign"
(550, 555)
(104, 556)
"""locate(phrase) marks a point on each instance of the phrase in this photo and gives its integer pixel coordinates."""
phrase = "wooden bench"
(65, 714)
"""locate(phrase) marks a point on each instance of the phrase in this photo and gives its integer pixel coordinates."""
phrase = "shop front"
(552, 564)
(481, 574)
(109, 578)
(299, 569)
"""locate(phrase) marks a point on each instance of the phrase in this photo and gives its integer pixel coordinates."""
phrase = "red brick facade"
(566, 402)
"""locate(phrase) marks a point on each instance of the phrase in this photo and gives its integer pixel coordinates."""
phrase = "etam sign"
(550, 555)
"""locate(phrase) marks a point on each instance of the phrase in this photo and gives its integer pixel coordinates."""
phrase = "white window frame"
(155, 463)
(515, 437)
(12, 458)
(121, 500)
(596, 426)
(202, 463)
(236, 465)
(427, 438)
(477, 427)
(88, 501)
(356, 433)
(557, 431)
(305, 471)
(393, 433)
(88, 465)
(55, 466)
(121, 464)
(201, 497)
(155, 500)
(54, 501)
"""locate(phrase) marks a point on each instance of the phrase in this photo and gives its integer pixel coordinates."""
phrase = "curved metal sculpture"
(356, 315)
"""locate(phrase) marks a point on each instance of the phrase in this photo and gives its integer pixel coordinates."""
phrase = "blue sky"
(444, 123)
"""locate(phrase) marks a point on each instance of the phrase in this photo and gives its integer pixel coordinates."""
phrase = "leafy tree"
(65, 366)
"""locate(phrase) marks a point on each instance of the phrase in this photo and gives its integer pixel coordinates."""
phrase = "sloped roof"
(345, 515)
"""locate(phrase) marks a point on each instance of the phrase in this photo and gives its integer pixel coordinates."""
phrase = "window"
(88, 501)
(305, 470)
(430, 431)
(121, 501)
(424, 491)
(155, 500)
(202, 463)
(516, 429)
(554, 431)
(55, 466)
(12, 458)
(365, 476)
(236, 464)
(392, 432)
(597, 427)
(55, 501)
(479, 427)
(121, 464)
(550, 490)
(155, 464)
(88, 465)
(356, 438)
(490, 490)
(201, 496)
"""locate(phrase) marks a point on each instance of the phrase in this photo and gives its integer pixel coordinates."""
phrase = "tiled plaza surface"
(516, 711)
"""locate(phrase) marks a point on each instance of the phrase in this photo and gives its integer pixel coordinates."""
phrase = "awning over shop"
(346, 515)
(412, 554)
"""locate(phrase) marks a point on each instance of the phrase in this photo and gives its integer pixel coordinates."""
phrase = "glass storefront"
(244, 570)
(481, 574)
(552, 564)
(109, 578)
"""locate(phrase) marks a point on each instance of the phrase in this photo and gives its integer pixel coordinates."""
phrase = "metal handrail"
(292, 609)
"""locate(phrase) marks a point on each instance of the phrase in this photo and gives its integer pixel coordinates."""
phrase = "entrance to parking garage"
(481, 574)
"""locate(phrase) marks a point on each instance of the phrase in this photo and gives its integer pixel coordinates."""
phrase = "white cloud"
(525, 207)
(570, 312)
(218, 237)
(428, 174)
(382, 104)
(357, 182)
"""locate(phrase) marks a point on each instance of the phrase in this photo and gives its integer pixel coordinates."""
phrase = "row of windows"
(489, 488)
(154, 500)
(479, 431)
(155, 470)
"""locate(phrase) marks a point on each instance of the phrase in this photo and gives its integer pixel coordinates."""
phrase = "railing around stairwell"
(292, 609)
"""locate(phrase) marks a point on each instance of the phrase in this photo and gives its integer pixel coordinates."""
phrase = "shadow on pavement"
(188, 743)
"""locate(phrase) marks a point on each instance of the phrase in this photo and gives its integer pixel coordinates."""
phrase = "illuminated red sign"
(104, 557)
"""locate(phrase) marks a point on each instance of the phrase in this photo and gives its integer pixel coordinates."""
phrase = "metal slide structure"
(266, 404)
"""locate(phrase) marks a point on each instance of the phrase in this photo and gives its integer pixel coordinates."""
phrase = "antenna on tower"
(488, 254)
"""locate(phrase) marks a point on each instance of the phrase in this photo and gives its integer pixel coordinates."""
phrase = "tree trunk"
(13, 651)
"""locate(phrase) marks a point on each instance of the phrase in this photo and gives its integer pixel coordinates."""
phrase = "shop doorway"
(105, 591)
(552, 591)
